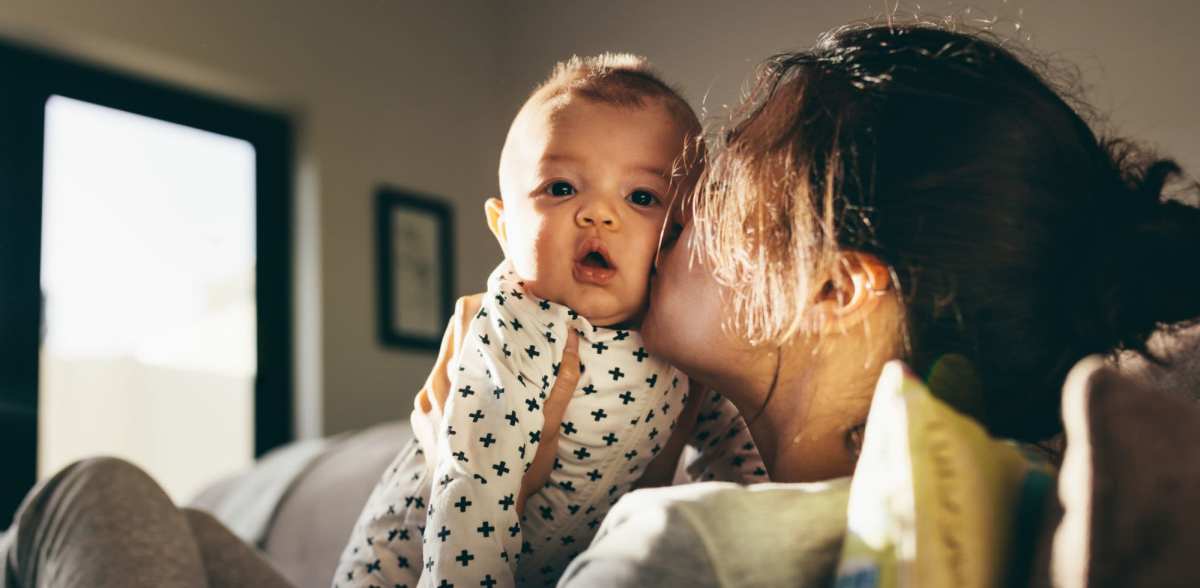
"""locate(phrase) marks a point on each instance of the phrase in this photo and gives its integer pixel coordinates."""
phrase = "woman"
(896, 192)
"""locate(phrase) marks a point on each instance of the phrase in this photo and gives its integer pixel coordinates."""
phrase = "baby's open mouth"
(593, 264)
(595, 259)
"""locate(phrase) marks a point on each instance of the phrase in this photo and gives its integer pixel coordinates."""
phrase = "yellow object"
(935, 501)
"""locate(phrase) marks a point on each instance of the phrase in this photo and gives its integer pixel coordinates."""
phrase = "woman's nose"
(598, 214)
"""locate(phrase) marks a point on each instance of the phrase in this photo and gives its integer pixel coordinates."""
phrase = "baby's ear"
(494, 210)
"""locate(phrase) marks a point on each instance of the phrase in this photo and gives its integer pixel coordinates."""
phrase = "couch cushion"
(246, 502)
(313, 522)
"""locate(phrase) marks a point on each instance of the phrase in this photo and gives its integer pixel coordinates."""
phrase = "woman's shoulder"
(720, 534)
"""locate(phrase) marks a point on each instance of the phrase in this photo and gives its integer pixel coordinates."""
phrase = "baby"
(587, 172)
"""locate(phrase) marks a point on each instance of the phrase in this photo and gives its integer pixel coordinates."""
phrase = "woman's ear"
(494, 209)
(857, 285)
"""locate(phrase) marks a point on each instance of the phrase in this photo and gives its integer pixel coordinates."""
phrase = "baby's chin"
(608, 312)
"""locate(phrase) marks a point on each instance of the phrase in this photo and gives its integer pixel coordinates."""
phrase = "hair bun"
(1154, 243)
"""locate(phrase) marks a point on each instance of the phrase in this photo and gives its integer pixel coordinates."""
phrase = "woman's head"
(1010, 232)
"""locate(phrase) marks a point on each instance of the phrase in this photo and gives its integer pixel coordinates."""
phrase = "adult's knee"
(107, 474)
(93, 486)
(97, 501)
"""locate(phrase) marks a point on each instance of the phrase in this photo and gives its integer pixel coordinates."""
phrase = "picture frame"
(414, 252)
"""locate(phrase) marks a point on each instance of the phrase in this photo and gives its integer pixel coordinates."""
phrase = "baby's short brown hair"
(619, 79)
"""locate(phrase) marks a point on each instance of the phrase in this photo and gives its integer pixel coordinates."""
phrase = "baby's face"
(585, 188)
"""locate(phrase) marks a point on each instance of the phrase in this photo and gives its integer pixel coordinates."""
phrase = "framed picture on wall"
(415, 268)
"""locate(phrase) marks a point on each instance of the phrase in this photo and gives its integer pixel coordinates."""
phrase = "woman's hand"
(427, 409)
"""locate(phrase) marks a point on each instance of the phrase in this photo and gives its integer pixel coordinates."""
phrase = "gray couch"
(299, 502)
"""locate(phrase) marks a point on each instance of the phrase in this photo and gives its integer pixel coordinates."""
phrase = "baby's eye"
(560, 189)
(643, 198)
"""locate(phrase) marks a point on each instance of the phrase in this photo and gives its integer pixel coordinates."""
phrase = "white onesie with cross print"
(453, 522)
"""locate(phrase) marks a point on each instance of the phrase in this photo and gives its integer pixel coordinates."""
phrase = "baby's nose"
(597, 215)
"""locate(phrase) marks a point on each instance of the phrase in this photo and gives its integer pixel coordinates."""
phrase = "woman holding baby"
(896, 192)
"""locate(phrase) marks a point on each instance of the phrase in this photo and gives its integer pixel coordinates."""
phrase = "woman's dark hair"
(1016, 236)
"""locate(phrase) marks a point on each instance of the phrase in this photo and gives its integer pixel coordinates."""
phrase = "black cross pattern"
(486, 529)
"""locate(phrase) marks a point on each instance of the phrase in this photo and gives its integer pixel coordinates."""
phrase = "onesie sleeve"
(721, 447)
(491, 426)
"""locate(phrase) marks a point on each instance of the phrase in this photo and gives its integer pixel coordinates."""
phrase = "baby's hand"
(427, 409)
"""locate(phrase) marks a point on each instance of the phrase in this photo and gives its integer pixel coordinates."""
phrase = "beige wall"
(1138, 59)
(419, 94)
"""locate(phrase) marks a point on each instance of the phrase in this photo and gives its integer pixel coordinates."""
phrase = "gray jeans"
(105, 523)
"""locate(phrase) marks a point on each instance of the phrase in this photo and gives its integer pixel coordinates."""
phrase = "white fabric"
(717, 535)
